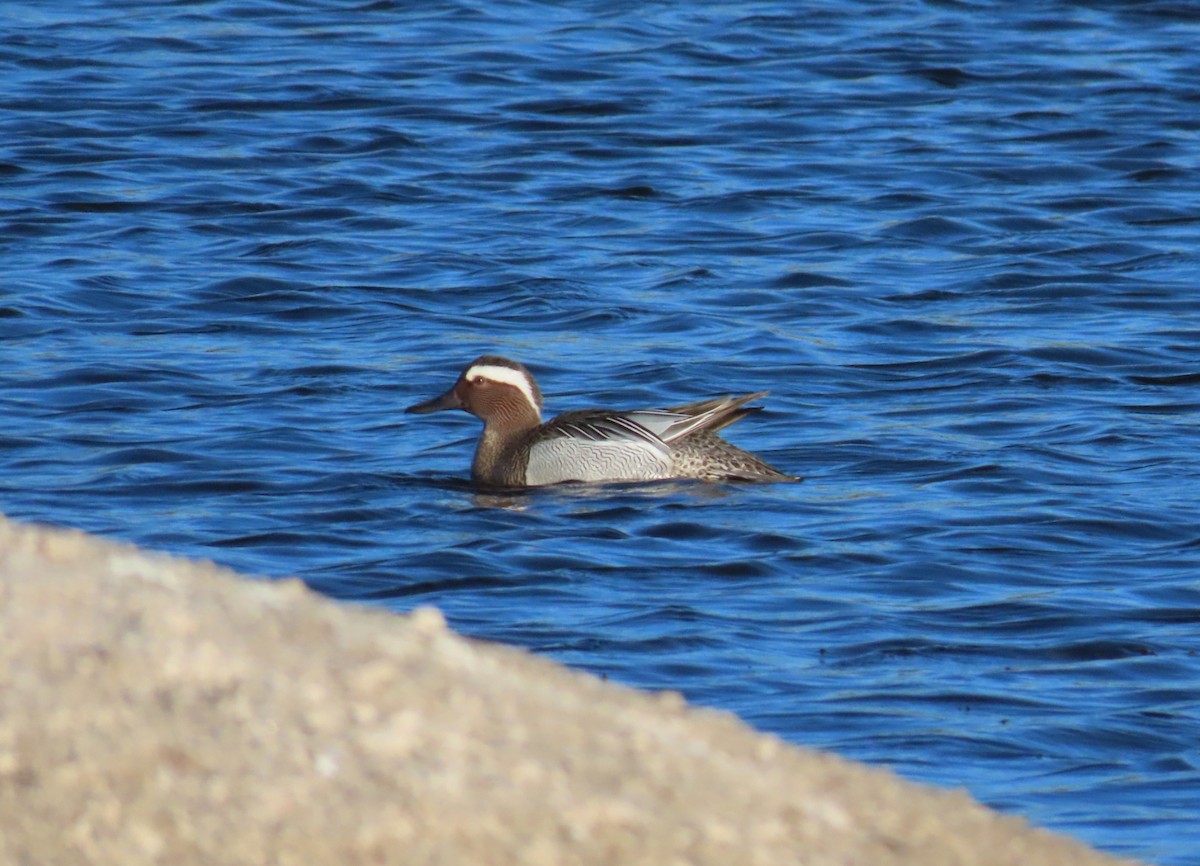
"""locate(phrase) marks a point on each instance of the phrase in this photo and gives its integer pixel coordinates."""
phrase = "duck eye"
(479, 380)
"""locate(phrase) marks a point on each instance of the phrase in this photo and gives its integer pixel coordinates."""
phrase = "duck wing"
(655, 428)
(636, 444)
(713, 414)
(637, 429)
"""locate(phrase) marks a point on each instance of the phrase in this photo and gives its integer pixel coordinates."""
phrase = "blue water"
(957, 240)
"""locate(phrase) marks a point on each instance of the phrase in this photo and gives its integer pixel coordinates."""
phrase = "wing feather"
(604, 445)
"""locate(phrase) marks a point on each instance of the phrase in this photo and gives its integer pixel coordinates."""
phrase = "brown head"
(495, 389)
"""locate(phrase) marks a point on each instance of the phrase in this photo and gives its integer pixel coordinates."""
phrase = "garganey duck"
(518, 450)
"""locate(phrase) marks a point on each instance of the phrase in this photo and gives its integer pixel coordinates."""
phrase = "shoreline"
(161, 710)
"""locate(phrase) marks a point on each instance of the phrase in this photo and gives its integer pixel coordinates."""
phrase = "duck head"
(494, 389)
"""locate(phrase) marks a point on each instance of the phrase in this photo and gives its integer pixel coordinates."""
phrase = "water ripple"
(955, 241)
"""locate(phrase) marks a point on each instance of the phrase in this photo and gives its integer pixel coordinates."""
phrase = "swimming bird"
(518, 450)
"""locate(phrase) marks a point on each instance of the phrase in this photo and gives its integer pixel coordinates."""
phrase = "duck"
(593, 445)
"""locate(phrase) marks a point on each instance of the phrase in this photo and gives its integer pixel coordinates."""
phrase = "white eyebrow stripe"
(505, 376)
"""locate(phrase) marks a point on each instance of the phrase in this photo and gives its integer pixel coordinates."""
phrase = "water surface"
(957, 240)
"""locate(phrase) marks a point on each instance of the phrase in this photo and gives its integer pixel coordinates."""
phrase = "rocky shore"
(156, 710)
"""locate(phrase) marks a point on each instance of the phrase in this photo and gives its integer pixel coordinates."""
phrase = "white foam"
(505, 376)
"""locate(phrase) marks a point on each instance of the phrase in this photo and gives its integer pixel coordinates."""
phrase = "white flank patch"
(505, 376)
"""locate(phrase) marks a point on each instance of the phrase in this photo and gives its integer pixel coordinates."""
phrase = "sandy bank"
(154, 710)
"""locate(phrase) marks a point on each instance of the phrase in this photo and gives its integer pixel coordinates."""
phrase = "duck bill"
(449, 400)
